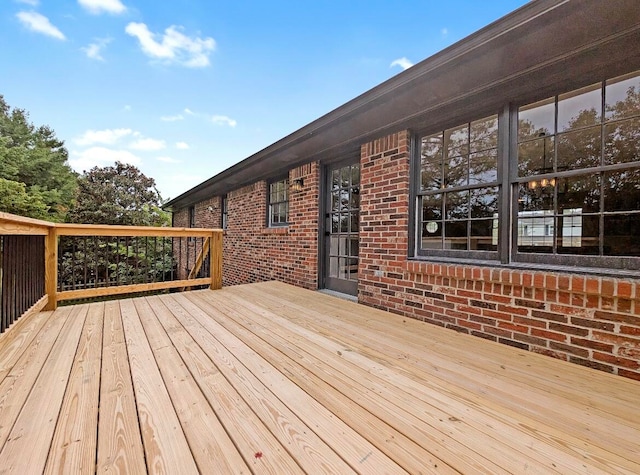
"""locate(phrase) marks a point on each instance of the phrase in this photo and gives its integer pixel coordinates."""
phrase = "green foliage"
(119, 194)
(15, 199)
(116, 195)
(34, 159)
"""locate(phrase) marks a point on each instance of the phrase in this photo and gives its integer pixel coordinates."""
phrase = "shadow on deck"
(270, 378)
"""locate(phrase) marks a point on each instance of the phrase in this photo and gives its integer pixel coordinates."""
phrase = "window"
(578, 168)
(192, 216)
(224, 216)
(278, 202)
(567, 194)
(459, 190)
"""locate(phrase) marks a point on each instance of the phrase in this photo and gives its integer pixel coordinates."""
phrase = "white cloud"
(107, 136)
(223, 120)
(182, 145)
(100, 156)
(40, 24)
(94, 50)
(148, 144)
(403, 62)
(103, 6)
(173, 46)
(172, 118)
(168, 160)
(444, 32)
(127, 108)
(33, 3)
(189, 111)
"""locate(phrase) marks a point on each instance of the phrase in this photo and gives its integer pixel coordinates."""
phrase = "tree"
(116, 195)
(37, 180)
(119, 194)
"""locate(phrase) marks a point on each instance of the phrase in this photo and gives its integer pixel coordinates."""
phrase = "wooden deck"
(269, 378)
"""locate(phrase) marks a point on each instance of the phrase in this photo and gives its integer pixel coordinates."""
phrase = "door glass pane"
(333, 245)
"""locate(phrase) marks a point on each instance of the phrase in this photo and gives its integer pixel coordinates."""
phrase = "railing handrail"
(11, 224)
(20, 225)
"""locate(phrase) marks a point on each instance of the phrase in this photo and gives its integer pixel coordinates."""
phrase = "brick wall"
(588, 320)
(208, 214)
(254, 252)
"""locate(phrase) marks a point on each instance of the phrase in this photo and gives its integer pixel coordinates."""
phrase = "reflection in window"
(279, 202)
(459, 188)
(579, 169)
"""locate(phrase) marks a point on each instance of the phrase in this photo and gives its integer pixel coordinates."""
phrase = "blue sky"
(184, 89)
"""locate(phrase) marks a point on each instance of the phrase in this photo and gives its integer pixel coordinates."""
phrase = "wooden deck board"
(269, 378)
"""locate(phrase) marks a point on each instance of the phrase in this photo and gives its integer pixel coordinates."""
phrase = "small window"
(192, 216)
(278, 208)
(224, 216)
(459, 190)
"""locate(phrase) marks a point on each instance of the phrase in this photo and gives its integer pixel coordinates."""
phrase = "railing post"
(51, 267)
(215, 261)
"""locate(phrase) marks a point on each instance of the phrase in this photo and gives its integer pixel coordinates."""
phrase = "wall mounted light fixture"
(297, 184)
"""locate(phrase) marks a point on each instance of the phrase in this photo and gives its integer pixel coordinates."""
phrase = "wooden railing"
(44, 263)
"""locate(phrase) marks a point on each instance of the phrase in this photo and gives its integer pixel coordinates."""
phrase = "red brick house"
(493, 188)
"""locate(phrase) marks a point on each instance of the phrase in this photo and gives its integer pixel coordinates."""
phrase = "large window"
(578, 170)
(566, 193)
(278, 202)
(459, 189)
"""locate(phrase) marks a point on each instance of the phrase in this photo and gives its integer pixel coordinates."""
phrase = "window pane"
(355, 226)
(622, 141)
(483, 167)
(535, 218)
(432, 207)
(580, 108)
(345, 177)
(484, 134)
(484, 235)
(335, 202)
(579, 194)
(431, 148)
(355, 175)
(333, 267)
(579, 149)
(333, 245)
(455, 171)
(579, 234)
(431, 235)
(621, 235)
(335, 179)
(484, 202)
(455, 233)
(344, 223)
(352, 269)
(457, 141)
(622, 190)
(335, 222)
(355, 199)
(343, 270)
(353, 247)
(536, 120)
(621, 96)
(536, 156)
(343, 249)
(431, 175)
(457, 205)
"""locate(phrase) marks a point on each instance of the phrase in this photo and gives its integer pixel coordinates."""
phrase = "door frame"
(323, 208)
